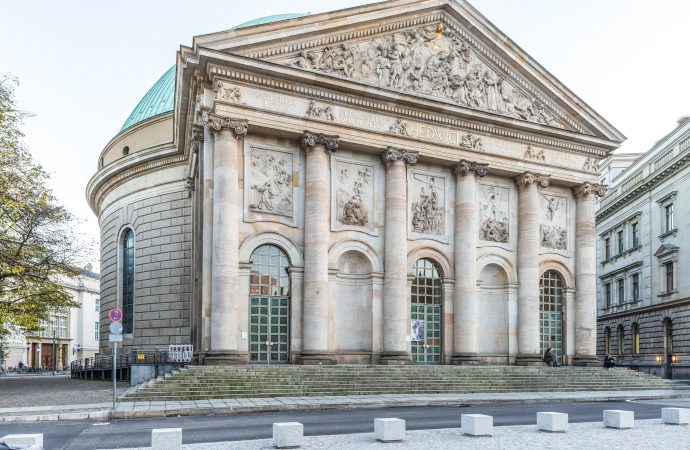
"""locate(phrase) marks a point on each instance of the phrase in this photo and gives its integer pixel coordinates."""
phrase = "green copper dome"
(160, 99)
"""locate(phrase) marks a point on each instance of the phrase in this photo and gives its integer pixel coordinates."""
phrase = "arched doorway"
(493, 315)
(551, 313)
(269, 306)
(426, 312)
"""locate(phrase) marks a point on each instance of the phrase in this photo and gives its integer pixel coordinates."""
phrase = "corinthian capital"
(393, 154)
(197, 139)
(465, 167)
(527, 178)
(590, 188)
(310, 140)
(218, 123)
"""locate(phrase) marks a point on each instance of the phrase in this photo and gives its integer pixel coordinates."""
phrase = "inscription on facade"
(275, 102)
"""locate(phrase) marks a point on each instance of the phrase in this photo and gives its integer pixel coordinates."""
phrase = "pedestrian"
(609, 362)
(550, 358)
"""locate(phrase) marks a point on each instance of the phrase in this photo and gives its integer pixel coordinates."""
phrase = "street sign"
(115, 327)
(115, 315)
(115, 337)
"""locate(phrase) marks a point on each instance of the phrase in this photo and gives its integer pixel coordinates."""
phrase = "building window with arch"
(128, 281)
(551, 313)
(621, 340)
(636, 339)
(426, 312)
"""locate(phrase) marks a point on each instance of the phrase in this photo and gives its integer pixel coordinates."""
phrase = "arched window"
(128, 281)
(607, 340)
(551, 313)
(621, 340)
(426, 312)
(636, 339)
(269, 306)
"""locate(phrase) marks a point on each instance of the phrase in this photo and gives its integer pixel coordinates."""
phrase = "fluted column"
(585, 274)
(528, 267)
(316, 242)
(395, 290)
(466, 235)
(225, 301)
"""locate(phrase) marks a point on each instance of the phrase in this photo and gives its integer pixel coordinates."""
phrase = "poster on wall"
(417, 331)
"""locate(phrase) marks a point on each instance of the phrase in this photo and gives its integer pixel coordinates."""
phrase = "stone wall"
(162, 225)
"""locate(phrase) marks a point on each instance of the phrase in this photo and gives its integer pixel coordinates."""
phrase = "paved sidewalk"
(125, 410)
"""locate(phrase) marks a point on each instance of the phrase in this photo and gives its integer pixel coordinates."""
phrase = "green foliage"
(38, 244)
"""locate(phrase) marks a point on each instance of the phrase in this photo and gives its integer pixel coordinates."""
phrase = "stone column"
(316, 242)
(528, 267)
(466, 236)
(395, 290)
(225, 342)
(206, 238)
(586, 275)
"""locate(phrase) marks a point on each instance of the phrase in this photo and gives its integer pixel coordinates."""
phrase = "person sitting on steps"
(549, 358)
(609, 362)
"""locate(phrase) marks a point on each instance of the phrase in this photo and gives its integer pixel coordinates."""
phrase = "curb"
(100, 416)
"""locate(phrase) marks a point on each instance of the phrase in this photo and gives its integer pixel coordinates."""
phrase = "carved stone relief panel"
(352, 187)
(553, 228)
(270, 192)
(432, 60)
(427, 196)
(494, 222)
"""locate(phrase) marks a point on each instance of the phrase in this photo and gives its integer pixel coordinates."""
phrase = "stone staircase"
(224, 382)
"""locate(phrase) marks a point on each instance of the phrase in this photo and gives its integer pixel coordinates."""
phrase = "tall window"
(621, 340)
(607, 295)
(621, 244)
(425, 312)
(635, 234)
(635, 287)
(551, 313)
(669, 276)
(97, 305)
(621, 291)
(128, 281)
(607, 340)
(62, 324)
(636, 339)
(96, 331)
(668, 212)
(607, 248)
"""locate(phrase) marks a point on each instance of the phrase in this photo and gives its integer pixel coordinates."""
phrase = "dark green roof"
(160, 99)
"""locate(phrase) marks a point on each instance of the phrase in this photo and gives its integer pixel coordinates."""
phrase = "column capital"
(197, 138)
(527, 178)
(219, 123)
(590, 188)
(465, 167)
(392, 154)
(310, 140)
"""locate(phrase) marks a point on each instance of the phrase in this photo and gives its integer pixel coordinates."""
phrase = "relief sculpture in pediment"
(429, 60)
(553, 228)
(270, 179)
(493, 220)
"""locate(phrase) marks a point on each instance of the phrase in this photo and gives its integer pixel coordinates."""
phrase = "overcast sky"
(84, 65)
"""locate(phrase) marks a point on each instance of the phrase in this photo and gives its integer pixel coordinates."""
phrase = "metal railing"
(99, 363)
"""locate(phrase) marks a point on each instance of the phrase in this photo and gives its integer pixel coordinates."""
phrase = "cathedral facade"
(388, 184)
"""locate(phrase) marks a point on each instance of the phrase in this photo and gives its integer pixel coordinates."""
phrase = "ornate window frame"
(664, 202)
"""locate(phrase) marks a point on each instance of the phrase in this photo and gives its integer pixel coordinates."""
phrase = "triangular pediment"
(436, 49)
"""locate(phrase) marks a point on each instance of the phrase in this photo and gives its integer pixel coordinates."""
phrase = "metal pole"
(114, 379)
(54, 353)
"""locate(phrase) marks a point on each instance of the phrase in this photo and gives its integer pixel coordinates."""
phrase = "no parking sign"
(115, 315)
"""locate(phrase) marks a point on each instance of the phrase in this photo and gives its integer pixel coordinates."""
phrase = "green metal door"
(426, 313)
(551, 314)
(269, 307)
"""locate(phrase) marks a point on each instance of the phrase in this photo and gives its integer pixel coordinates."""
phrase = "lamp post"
(54, 354)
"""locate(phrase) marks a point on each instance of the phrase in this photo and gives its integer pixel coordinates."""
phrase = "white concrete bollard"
(389, 430)
(166, 438)
(28, 441)
(476, 424)
(616, 418)
(552, 421)
(287, 434)
(675, 416)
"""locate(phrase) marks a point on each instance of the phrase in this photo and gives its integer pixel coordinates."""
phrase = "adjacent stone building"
(393, 183)
(644, 293)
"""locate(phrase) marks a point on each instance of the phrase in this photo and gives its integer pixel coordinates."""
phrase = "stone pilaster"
(466, 235)
(206, 152)
(585, 274)
(528, 267)
(395, 290)
(225, 301)
(316, 242)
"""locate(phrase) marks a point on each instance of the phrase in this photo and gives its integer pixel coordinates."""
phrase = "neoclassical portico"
(438, 209)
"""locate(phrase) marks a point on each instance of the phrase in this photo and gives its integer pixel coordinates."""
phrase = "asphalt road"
(231, 427)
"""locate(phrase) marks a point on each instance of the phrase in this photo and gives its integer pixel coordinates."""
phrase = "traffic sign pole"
(114, 370)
